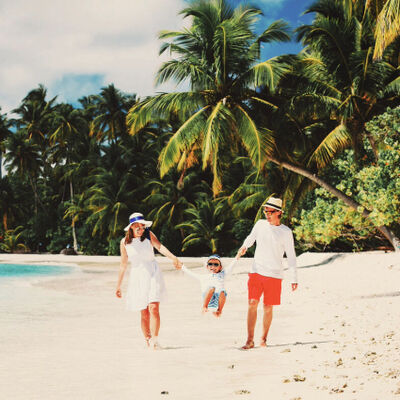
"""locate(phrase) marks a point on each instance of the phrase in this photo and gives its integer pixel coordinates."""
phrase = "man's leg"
(251, 323)
(267, 319)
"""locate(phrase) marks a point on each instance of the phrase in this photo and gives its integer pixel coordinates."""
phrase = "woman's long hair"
(129, 235)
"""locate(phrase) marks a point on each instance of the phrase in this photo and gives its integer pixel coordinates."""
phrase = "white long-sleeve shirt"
(211, 279)
(272, 242)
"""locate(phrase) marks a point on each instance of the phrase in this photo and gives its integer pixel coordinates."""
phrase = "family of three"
(146, 288)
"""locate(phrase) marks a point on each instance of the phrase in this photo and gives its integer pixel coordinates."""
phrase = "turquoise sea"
(24, 270)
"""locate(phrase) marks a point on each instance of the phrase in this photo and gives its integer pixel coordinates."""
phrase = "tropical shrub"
(327, 222)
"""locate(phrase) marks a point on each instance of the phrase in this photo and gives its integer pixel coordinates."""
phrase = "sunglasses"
(213, 264)
(270, 212)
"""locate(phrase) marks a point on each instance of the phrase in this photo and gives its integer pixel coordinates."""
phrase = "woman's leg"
(154, 311)
(145, 323)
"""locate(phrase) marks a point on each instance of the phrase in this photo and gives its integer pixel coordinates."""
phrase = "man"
(273, 240)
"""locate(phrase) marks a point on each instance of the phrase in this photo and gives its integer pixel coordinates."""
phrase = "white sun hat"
(275, 203)
(137, 217)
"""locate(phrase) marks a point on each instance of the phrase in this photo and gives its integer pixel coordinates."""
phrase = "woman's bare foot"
(148, 341)
(249, 345)
(153, 344)
(204, 310)
(263, 343)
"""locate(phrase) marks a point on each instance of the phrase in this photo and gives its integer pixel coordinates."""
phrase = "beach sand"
(69, 337)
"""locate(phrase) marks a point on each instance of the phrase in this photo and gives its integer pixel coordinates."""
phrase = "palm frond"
(387, 26)
(160, 107)
(182, 140)
(338, 139)
(257, 141)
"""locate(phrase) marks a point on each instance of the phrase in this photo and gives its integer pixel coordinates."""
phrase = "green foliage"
(219, 56)
(376, 185)
(11, 241)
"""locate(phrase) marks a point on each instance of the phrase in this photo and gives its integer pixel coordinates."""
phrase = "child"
(213, 284)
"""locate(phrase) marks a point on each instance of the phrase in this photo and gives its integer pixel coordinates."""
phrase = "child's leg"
(221, 303)
(207, 297)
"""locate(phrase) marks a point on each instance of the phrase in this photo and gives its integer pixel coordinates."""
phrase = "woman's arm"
(164, 251)
(122, 269)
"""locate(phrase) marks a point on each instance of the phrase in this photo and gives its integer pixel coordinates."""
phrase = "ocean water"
(24, 270)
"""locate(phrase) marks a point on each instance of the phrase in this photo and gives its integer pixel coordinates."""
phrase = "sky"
(76, 47)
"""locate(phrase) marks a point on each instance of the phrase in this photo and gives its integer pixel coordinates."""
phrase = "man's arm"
(249, 241)
(229, 268)
(291, 258)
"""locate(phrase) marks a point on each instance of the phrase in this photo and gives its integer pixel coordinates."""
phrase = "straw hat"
(137, 217)
(275, 203)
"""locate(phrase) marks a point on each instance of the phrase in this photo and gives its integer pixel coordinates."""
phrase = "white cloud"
(44, 41)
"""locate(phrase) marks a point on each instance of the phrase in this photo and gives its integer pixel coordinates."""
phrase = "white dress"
(146, 283)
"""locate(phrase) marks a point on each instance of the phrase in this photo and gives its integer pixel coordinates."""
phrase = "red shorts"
(270, 287)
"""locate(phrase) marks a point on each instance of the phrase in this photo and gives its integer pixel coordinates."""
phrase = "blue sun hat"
(214, 257)
(138, 217)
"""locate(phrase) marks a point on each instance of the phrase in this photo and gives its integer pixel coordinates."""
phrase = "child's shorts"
(215, 298)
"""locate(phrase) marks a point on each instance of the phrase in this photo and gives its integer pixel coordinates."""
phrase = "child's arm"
(229, 268)
(191, 273)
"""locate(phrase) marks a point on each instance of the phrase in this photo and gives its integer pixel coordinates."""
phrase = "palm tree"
(111, 109)
(68, 124)
(5, 125)
(110, 201)
(23, 156)
(8, 202)
(169, 200)
(206, 223)
(34, 114)
(340, 87)
(219, 57)
(219, 108)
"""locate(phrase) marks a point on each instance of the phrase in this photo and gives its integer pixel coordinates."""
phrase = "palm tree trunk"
(373, 145)
(5, 225)
(35, 195)
(75, 240)
(1, 165)
(394, 241)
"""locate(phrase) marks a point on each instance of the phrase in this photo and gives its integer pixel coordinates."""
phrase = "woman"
(146, 284)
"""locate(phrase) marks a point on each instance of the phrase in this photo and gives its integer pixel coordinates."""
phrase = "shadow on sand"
(315, 342)
(374, 296)
(324, 262)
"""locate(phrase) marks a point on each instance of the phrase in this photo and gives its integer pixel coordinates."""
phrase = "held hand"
(241, 252)
(177, 264)
(118, 293)
(294, 286)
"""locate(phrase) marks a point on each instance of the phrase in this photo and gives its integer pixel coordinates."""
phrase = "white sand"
(337, 336)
